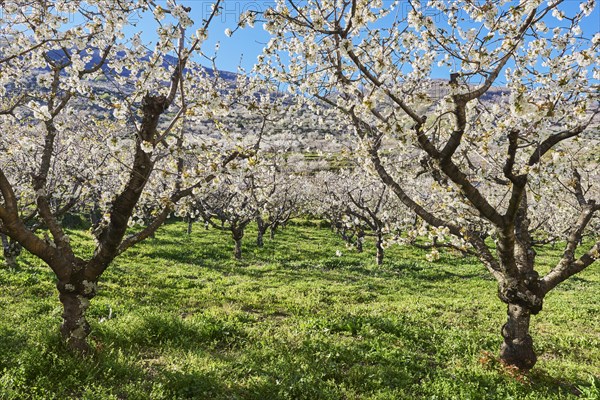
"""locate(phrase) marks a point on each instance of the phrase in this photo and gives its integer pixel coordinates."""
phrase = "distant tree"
(359, 205)
(11, 249)
(469, 158)
(229, 206)
(277, 192)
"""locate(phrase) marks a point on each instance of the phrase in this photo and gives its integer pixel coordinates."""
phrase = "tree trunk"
(75, 299)
(359, 240)
(237, 251)
(11, 260)
(95, 216)
(11, 251)
(259, 239)
(189, 226)
(237, 234)
(379, 247)
(261, 231)
(517, 348)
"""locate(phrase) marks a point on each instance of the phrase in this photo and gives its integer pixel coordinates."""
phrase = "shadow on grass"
(43, 368)
(315, 362)
(12, 343)
(494, 381)
(157, 330)
(335, 354)
(193, 385)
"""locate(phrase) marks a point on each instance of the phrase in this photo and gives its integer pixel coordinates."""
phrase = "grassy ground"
(177, 318)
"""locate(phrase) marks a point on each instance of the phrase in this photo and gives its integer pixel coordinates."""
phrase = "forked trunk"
(75, 328)
(272, 232)
(517, 348)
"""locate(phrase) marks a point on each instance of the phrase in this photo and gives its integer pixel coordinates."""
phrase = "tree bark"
(237, 251)
(517, 348)
(237, 234)
(75, 299)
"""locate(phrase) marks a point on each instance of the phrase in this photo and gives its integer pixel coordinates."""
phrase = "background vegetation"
(176, 317)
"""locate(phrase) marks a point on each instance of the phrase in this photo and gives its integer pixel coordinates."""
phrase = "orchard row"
(341, 117)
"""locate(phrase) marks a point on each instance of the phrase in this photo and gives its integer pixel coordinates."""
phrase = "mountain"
(168, 60)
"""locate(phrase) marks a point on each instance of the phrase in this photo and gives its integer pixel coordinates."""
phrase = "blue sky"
(240, 49)
(246, 44)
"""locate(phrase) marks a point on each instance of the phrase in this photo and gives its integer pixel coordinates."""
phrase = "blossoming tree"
(510, 129)
(358, 205)
(89, 114)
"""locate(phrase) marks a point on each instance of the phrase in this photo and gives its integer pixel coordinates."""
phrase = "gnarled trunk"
(521, 293)
(517, 348)
(75, 298)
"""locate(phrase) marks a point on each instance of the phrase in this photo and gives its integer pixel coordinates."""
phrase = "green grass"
(291, 321)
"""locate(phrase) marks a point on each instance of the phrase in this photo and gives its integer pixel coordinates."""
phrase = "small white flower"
(120, 113)
(159, 13)
(201, 34)
(558, 14)
(147, 147)
(228, 32)
(42, 113)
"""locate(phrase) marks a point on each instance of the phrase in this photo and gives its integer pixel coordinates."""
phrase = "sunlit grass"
(177, 317)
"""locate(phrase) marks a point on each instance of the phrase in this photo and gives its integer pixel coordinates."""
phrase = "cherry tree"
(277, 191)
(69, 177)
(369, 203)
(230, 207)
(359, 205)
(509, 134)
(330, 201)
(89, 114)
(254, 189)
